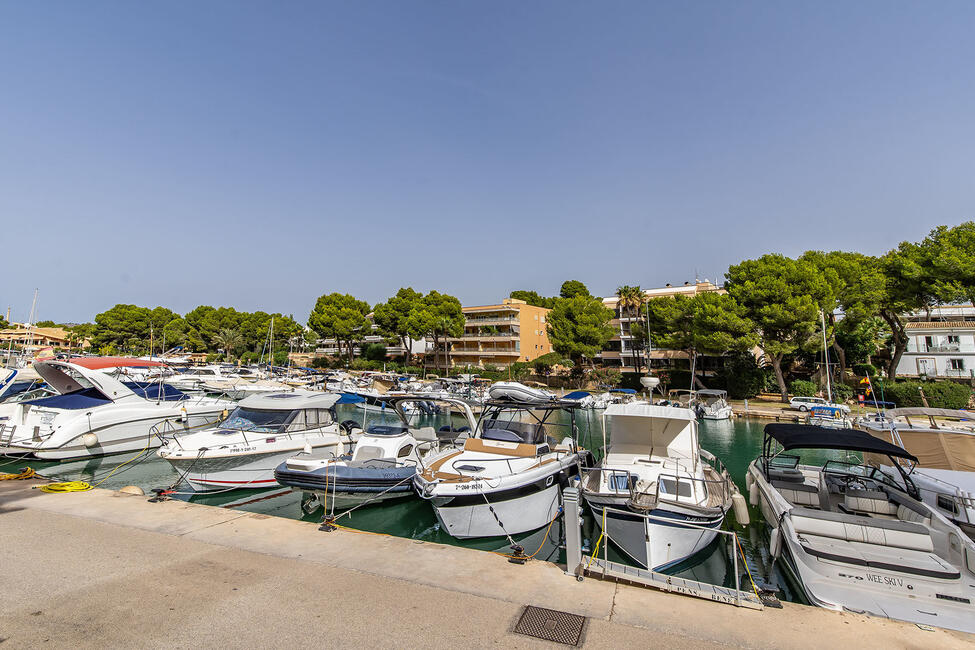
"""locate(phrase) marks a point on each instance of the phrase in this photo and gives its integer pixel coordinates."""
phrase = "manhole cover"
(551, 625)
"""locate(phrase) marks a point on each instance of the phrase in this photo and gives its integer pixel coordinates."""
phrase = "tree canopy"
(438, 316)
(578, 326)
(573, 288)
(783, 297)
(341, 317)
(393, 316)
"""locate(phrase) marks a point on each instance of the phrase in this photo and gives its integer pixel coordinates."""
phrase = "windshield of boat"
(511, 431)
(264, 421)
(860, 471)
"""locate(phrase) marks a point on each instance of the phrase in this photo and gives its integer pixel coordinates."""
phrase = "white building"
(942, 348)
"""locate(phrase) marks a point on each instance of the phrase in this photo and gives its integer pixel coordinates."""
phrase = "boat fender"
(90, 440)
(749, 479)
(753, 493)
(183, 416)
(741, 508)
(775, 542)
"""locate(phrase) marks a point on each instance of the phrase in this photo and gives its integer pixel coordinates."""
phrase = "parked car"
(805, 403)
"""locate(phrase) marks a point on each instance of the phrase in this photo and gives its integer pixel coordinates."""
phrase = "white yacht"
(509, 475)
(857, 537)
(656, 494)
(712, 404)
(382, 464)
(264, 430)
(95, 413)
(943, 440)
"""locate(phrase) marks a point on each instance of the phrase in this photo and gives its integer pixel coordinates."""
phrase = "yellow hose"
(26, 473)
(67, 486)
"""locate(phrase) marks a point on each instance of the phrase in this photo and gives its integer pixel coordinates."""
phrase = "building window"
(956, 364)
(954, 339)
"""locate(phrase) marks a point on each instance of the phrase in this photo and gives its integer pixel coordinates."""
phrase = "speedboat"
(382, 464)
(16, 382)
(509, 475)
(264, 430)
(857, 537)
(712, 404)
(945, 450)
(96, 413)
(656, 495)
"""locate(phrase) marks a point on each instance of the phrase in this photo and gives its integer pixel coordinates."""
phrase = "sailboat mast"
(829, 388)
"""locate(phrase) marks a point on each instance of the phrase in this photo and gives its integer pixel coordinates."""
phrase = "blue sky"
(259, 154)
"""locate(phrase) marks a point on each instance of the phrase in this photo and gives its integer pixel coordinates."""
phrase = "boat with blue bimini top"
(243, 450)
(656, 495)
(383, 462)
(858, 537)
(96, 412)
(508, 476)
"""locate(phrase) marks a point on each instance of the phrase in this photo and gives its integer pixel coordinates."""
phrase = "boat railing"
(709, 488)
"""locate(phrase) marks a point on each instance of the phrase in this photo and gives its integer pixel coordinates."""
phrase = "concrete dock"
(101, 569)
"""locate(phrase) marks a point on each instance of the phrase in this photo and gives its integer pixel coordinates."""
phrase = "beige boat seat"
(799, 494)
(870, 501)
(876, 532)
(425, 434)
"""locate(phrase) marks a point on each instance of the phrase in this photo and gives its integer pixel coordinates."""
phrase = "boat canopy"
(290, 401)
(625, 391)
(808, 436)
(931, 413)
(577, 394)
(645, 429)
(712, 392)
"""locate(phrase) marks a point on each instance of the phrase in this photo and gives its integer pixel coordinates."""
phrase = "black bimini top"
(807, 436)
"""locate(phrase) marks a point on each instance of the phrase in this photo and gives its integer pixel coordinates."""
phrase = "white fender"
(749, 479)
(775, 542)
(741, 508)
(753, 493)
(90, 440)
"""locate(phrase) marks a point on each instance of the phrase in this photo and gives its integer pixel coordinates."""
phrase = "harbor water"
(736, 442)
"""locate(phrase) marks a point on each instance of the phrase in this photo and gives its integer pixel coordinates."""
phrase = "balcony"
(491, 320)
(965, 348)
(484, 353)
(499, 337)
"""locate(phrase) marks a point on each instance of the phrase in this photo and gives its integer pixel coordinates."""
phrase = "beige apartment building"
(620, 353)
(499, 335)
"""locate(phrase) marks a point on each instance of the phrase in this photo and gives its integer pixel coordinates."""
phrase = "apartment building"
(941, 343)
(622, 353)
(499, 335)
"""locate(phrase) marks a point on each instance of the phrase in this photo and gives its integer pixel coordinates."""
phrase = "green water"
(735, 442)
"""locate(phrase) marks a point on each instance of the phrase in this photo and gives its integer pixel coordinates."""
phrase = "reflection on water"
(735, 442)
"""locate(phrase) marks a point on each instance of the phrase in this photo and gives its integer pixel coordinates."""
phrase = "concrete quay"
(101, 569)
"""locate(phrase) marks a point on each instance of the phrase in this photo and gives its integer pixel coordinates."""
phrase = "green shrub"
(803, 388)
(940, 394)
(742, 376)
(842, 392)
(864, 370)
(374, 352)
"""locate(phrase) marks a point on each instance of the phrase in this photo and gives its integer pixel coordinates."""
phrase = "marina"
(210, 568)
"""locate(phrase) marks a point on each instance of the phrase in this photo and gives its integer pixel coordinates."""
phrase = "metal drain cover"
(551, 625)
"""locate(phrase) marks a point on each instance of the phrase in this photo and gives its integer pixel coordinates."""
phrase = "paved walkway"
(104, 570)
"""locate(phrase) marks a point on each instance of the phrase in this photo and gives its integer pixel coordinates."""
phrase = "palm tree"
(228, 340)
(630, 302)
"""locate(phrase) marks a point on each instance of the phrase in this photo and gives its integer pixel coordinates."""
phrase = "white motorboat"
(517, 392)
(943, 440)
(261, 433)
(712, 404)
(96, 413)
(508, 477)
(656, 494)
(382, 464)
(16, 382)
(858, 538)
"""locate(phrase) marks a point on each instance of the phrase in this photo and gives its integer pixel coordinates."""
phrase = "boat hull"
(510, 512)
(653, 543)
(242, 471)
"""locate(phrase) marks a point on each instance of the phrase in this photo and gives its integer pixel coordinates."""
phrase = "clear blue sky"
(259, 154)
